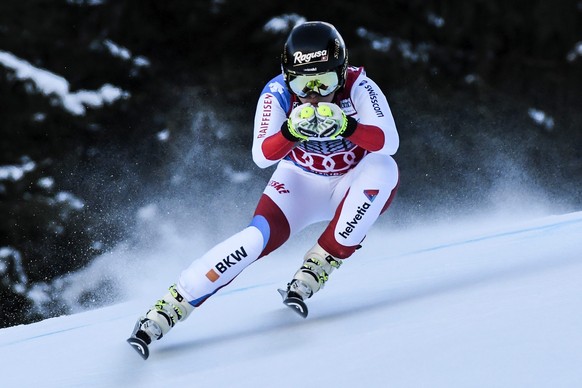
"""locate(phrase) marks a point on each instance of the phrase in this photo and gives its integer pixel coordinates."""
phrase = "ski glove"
(301, 124)
(333, 122)
(326, 122)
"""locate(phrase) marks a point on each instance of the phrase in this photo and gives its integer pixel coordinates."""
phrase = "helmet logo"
(336, 50)
(300, 58)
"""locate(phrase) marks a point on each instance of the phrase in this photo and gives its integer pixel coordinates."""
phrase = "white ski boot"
(310, 278)
(158, 321)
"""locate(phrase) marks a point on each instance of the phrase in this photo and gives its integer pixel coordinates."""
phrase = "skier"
(331, 131)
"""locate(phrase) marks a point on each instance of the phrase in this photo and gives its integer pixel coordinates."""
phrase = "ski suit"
(347, 181)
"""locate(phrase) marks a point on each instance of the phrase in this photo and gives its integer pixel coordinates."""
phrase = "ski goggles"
(323, 84)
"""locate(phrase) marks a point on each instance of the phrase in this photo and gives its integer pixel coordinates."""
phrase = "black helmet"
(314, 48)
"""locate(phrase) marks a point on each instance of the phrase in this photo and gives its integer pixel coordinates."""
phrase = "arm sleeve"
(269, 144)
(369, 137)
(376, 130)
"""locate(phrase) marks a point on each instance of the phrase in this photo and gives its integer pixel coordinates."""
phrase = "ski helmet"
(314, 49)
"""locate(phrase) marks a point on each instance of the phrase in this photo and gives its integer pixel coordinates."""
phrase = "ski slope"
(474, 305)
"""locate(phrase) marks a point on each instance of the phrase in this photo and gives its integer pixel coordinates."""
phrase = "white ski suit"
(347, 181)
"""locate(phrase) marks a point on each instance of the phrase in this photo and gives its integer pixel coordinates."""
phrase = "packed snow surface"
(472, 305)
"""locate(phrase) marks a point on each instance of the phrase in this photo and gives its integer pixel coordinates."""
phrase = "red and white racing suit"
(347, 181)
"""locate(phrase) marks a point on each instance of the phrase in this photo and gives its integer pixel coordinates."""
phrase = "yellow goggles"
(323, 84)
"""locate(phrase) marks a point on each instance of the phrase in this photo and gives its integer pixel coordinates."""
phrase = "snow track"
(440, 307)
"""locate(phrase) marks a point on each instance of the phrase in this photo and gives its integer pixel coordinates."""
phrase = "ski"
(294, 303)
(140, 346)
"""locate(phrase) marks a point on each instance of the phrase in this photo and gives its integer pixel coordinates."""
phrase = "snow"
(15, 172)
(11, 261)
(541, 118)
(409, 51)
(284, 23)
(493, 303)
(51, 84)
(575, 52)
(122, 52)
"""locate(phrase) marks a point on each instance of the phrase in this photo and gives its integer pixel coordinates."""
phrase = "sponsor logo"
(351, 225)
(229, 261)
(266, 116)
(212, 275)
(374, 100)
(347, 106)
(327, 158)
(276, 87)
(280, 187)
(371, 194)
(300, 58)
(336, 50)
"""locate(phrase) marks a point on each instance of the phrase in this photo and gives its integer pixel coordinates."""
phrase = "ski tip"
(283, 293)
(140, 346)
(297, 305)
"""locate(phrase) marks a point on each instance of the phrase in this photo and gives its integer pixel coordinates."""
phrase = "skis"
(294, 303)
(138, 344)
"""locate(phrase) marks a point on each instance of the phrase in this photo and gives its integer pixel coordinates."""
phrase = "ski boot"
(310, 278)
(158, 321)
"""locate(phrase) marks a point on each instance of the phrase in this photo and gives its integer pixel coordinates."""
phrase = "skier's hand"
(302, 123)
(326, 122)
(331, 121)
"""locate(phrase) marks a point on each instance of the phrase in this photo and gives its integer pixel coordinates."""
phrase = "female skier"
(330, 130)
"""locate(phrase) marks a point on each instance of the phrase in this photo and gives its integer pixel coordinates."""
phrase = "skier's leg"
(282, 210)
(363, 194)
(220, 265)
(367, 193)
(271, 226)
(204, 277)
